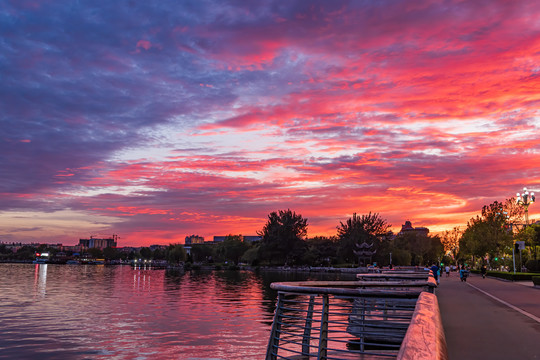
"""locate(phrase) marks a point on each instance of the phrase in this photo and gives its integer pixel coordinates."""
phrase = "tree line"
(489, 238)
(492, 239)
(285, 241)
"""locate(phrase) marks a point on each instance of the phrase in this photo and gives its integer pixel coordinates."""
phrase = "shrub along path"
(489, 318)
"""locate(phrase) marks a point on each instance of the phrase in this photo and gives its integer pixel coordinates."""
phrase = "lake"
(116, 312)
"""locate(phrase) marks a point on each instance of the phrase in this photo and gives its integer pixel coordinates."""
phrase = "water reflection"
(40, 279)
(93, 312)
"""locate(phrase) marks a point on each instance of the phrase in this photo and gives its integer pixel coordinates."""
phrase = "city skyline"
(159, 120)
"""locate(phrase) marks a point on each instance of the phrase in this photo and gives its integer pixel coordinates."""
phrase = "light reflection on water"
(92, 312)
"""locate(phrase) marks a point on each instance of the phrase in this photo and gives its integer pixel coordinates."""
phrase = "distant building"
(252, 238)
(219, 239)
(129, 249)
(245, 238)
(14, 247)
(99, 243)
(72, 248)
(407, 228)
(194, 239)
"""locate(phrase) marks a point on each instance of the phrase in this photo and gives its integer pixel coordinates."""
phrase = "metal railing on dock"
(396, 276)
(344, 319)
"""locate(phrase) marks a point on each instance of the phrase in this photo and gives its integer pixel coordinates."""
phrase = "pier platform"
(489, 318)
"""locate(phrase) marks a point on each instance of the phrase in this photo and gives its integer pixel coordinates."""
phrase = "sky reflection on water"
(54, 311)
(93, 312)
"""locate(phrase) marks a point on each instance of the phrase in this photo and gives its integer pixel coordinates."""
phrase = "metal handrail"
(337, 320)
(331, 326)
(364, 288)
(394, 276)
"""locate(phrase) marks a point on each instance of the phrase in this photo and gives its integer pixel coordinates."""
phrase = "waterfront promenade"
(489, 318)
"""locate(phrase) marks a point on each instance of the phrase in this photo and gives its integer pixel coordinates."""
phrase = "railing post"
(307, 328)
(273, 343)
(323, 338)
(363, 307)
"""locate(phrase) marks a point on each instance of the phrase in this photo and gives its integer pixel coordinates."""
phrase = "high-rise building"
(99, 243)
(194, 239)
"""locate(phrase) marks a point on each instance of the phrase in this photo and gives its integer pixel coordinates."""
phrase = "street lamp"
(525, 199)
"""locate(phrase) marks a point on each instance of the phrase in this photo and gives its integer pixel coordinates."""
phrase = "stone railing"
(425, 338)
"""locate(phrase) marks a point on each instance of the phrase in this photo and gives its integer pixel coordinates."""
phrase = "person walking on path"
(483, 270)
(435, 271)
(463, 273)
(447, 270)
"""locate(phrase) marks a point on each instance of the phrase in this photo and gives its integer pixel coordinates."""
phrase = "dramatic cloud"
(157, 121)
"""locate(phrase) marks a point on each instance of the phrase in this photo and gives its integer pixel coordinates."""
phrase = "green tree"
(110, 253)
(202, 252)
(401, 257)
(450, 241)
(385, 247)
(369, 228)
(232, 248)
(251, 256)
(146, 253)
(96, 253)
(534, 243)
(321, 251)
(176, 253)
(283, 237)
(5, 250)
(531, 236)
(159, 254)
(423, 249)
(515, 213)
(488, 233)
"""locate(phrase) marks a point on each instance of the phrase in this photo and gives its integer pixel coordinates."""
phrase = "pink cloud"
(417, 110)
(145, 44)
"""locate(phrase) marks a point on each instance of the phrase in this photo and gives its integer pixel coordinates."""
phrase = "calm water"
(94, 312)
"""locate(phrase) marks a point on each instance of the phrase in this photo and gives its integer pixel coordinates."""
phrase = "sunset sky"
(155, 120)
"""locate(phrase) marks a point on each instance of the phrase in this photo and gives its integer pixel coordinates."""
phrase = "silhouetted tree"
(321, 251)
(110, 253)
(176, 253)
(26, 252)
(232, 248)
(424, 249)
(369, 228)
(202, 252)
(5, 250)
(283, 237)
(146, 253)
(96, 253)
(251, 256)
(159, 254)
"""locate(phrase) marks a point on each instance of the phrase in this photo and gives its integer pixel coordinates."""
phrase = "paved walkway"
(489, 318)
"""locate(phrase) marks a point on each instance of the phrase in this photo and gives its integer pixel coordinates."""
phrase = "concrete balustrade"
(425, 338)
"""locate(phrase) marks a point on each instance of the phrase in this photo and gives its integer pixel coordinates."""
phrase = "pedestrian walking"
(463, 273)
(483, 270)
(435, 271)
(447, 270)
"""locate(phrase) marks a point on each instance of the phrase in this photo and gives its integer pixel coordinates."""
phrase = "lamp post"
(525, 200)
